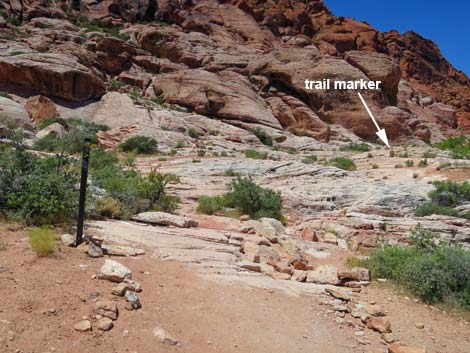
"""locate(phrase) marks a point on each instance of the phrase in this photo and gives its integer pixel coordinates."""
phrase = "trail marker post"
(82, 197)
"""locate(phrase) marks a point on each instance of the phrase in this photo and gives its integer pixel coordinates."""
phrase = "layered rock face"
(240, 61)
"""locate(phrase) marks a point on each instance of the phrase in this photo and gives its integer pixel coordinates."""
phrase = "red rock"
(51, 74)
(379, 324)
(40, 108)
(398, 348)
(308, 234)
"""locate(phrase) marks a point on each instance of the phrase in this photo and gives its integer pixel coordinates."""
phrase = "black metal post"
(83, 184)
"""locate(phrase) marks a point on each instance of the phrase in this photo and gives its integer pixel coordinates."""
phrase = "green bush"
(42, 241)
(430, 208)
(193, 133)
(254, 200)
(248, 198)
(310, 159)
(409, 163)
(342, 163)
(359, 147)
(111, 208)
(459, 146)
(434, 271)
(101, 159)
(423, 163)
(254, 154)
(210, 205)
(263, 137)
(37, 190)
(49, 121)
(72, 142)
(139, 144)
(444, 198)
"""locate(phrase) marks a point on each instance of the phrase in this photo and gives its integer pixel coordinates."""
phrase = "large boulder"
(40, 108)
(16, 112)
(52, 74)
(226, 95)
(378, 67)
(323, 275)
(295, 115)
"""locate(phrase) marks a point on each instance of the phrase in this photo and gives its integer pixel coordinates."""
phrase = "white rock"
(164, 337)
(165, 219)
(114, 271)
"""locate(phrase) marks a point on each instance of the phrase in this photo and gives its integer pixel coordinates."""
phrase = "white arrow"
(381, 133)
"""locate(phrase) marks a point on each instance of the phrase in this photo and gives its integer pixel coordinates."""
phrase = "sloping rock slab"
(117, 250)
(165, 219)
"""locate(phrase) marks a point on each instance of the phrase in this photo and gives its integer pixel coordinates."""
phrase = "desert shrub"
(110, 208)
(134, 192)
(42, 241)
(248, 198)
(423, 163)
(398, 166)
(430, 208)
(375, 166)
(49, 121)
(100, 158)
(135, 93)
(342, 163)
(37, 190)
(139, 144)
(211, 204)
(459, 146)
(254, 154)
(450, 193)
(5, 95)
(231, 173)
(8, 121)
(263, 137)
(116, 84)
(429, 154)
(434, 271)
(72, 142)
(201, 153)
(409, 163)
(309, 159)
(254, 200)
(359, 147)
(193, 133)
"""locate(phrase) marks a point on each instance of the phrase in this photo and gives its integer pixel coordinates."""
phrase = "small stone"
(94, 251)
(299, 276)
(114, 271)
(104, 324)
(382, 280)
(83, 326)
(164, 337)
(67, 239)
(379, 324)
(119, 289)
(375, 310)
(398, 348)
(388, 337)
(244, 218)
(338, 294)
(107, 308)
(280, 276)
(419, 325)
(133, 299)
(250, 266)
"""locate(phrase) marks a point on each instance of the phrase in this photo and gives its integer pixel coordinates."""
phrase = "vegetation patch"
(459, 146)
(42, 241)
(433, 270)
(254, 154)
(140, 145)
(446, 196)
(263, 137)
(342, 163)
(358, 147)
(246, 196)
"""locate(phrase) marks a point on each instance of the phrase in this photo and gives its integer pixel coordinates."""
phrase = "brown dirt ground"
(40, 297)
